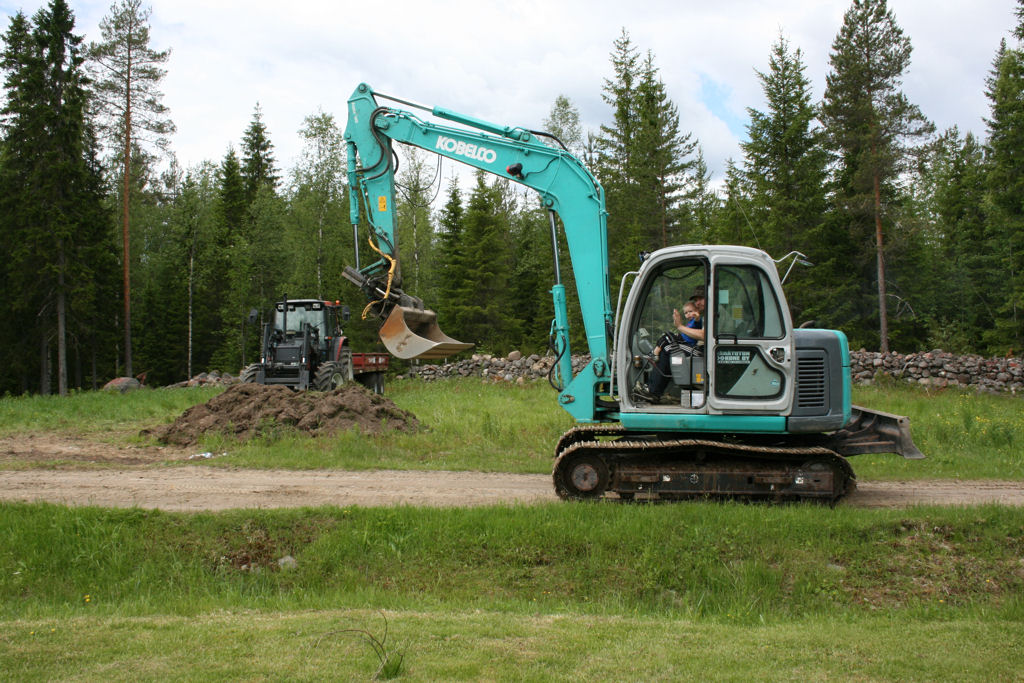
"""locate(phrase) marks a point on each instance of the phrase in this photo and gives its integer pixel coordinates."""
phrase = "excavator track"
(593, 461)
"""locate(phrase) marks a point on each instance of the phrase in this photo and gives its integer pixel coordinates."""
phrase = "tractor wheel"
(248, 375)
(333, 374)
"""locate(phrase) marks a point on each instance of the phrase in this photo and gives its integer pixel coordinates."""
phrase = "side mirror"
(346, 313)
(254, 315)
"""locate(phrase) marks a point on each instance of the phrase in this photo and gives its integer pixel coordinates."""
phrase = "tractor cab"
(292, 317)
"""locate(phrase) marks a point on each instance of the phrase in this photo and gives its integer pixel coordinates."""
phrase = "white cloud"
(506, 62)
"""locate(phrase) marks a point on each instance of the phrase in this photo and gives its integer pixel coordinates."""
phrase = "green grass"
(97, 412)
(964, 434)
(726, 562)
(560, 591)
(685, 591)
(494, 646)
(474, 425)
(468, 424)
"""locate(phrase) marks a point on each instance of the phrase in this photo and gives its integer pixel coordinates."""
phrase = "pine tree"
(258, 165)
(1006, 192)
(785, 170)
(127, 77)
(450, 253)
(643, 159)
(870, 123)
(50, 191)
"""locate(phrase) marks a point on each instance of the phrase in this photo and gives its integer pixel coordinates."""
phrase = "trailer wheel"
(374, 381)
(248, 375)
(334, 374)
(377, 383)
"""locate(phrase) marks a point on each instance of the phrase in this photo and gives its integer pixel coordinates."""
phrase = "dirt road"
(193, 488)
(84, 472)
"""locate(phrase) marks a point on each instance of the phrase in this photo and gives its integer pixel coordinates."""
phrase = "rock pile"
(515, 368)
(940, 369)
(207, 379)
(933, 368)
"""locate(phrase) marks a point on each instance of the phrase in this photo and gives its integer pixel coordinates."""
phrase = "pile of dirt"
(248, 410)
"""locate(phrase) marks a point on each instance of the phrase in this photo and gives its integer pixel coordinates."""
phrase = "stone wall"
(515, 368)
(933, 368)
(940, 369)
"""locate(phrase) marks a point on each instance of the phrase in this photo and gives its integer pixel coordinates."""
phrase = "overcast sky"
(507, 61)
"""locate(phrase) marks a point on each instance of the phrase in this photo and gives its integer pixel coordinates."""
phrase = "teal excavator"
(758, 409)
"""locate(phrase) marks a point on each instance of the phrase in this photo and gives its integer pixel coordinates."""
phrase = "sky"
(506, 62)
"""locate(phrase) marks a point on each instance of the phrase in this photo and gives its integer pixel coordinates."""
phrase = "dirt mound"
(248, 410)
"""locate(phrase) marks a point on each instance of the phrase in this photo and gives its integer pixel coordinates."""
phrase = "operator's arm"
(692, 332)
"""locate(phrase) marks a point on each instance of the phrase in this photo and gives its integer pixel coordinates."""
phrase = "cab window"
(746, 305)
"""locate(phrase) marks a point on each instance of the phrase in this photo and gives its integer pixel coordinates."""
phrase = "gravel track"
(195, 488)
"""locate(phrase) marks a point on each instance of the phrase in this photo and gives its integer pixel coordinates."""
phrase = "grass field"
(549, 591)
(561, 591)
(474, 425)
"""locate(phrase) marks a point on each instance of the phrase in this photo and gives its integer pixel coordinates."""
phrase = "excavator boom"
(566, 188)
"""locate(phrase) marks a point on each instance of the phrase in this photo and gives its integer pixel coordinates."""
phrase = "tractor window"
(746, 305)
(297, 316)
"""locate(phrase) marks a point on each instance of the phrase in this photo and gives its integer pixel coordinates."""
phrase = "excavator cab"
(744, 364)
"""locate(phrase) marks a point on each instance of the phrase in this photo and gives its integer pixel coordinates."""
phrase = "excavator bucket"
(414, 333)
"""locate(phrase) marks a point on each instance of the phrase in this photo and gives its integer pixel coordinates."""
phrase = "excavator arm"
(565, 186)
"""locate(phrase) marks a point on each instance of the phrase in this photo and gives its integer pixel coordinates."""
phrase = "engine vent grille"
(811, 383)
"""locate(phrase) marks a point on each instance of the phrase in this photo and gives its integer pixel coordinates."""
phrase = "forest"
(119, 262)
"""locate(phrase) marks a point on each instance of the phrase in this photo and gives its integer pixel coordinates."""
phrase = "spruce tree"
(481, 313)
(952, 190)
(643, 159)
(1006, 193)
(785, 170)
(258, 165)
(870, 126)
(450, 254)
(50, 191)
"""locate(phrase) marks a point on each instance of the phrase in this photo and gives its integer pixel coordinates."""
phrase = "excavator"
(760, 410)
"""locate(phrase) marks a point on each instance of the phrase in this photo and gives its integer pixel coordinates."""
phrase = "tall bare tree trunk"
(127, 184)
(44, 365)
(883, 315)
(62, 347)
(191, 275)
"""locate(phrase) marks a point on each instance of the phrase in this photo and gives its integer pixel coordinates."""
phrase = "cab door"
(751, 342)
